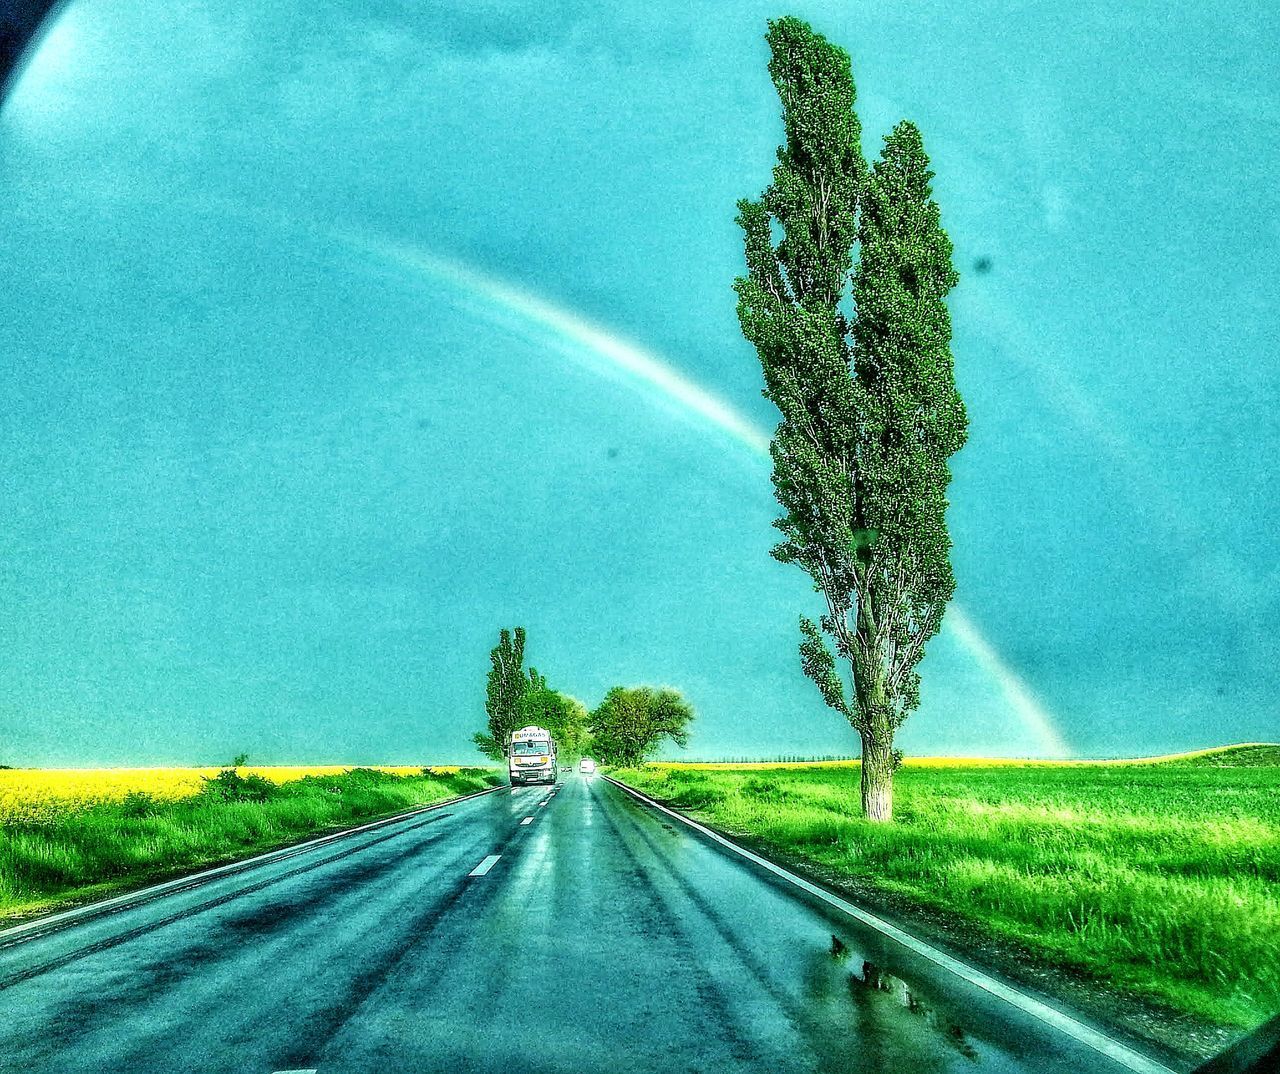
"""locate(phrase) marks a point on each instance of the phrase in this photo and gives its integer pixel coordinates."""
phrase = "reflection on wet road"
(529, 929)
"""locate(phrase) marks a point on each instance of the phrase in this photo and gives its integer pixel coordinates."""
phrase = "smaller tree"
(574, 730)
(631, 722)
(504, 694)
(564, 716)
(537, 704)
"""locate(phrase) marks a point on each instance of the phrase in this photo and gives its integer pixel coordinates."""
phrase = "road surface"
(519, 930)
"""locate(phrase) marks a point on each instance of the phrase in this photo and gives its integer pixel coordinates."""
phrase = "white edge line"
(485, 865)
(69, 917)
(1095, 1039)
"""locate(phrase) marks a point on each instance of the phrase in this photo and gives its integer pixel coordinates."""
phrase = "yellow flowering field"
(28, 792)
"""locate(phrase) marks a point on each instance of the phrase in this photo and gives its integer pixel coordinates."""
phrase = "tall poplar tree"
(504, 693)
(858, 362)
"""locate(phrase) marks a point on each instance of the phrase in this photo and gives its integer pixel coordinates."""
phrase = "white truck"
(531, 756)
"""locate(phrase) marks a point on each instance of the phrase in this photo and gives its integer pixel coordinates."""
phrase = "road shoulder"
(1171, 1037)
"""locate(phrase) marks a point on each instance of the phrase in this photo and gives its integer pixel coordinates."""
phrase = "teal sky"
(302, 400)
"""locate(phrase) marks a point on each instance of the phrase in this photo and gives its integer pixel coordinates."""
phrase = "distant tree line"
(626, 728)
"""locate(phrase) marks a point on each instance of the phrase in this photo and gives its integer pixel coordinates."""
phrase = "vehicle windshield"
(531, 746)
(854, 423)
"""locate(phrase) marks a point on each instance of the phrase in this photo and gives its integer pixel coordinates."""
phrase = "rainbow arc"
(608, 353)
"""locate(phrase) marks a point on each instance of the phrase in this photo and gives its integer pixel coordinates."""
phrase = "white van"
(531, 756)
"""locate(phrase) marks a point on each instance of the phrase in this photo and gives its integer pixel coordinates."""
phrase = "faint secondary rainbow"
(648, 370)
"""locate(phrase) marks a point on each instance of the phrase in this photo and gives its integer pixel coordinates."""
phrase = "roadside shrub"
(136, 804)
(230, 786)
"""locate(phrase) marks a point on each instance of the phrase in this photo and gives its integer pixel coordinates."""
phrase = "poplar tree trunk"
(875, 726)
(877, 777)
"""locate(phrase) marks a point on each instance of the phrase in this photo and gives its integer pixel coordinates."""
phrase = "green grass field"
(65, 852)
(1161, 879)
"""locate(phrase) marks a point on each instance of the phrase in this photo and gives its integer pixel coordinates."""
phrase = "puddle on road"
(865, 1018)
(873, 978)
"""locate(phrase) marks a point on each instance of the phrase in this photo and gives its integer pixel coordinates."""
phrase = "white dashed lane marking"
(485, 865)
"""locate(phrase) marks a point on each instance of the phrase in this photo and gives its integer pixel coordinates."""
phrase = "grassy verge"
(67, 852)
(1160, 881)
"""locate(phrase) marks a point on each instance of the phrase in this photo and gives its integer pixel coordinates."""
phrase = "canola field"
(74, 835)
(31, 793)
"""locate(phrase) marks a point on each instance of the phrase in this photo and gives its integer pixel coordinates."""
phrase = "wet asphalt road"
(604, 936)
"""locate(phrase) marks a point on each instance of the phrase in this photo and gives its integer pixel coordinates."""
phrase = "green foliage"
(630, 723)
(71, 854)
(137, 804)
(1160, 879)
(504, 692)
(488, 745)
(564, 716)
(913, 418)
(814, 194)
(539, 705)
(515, 700)
(818, 663)
(230, 786)
(870, 413)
